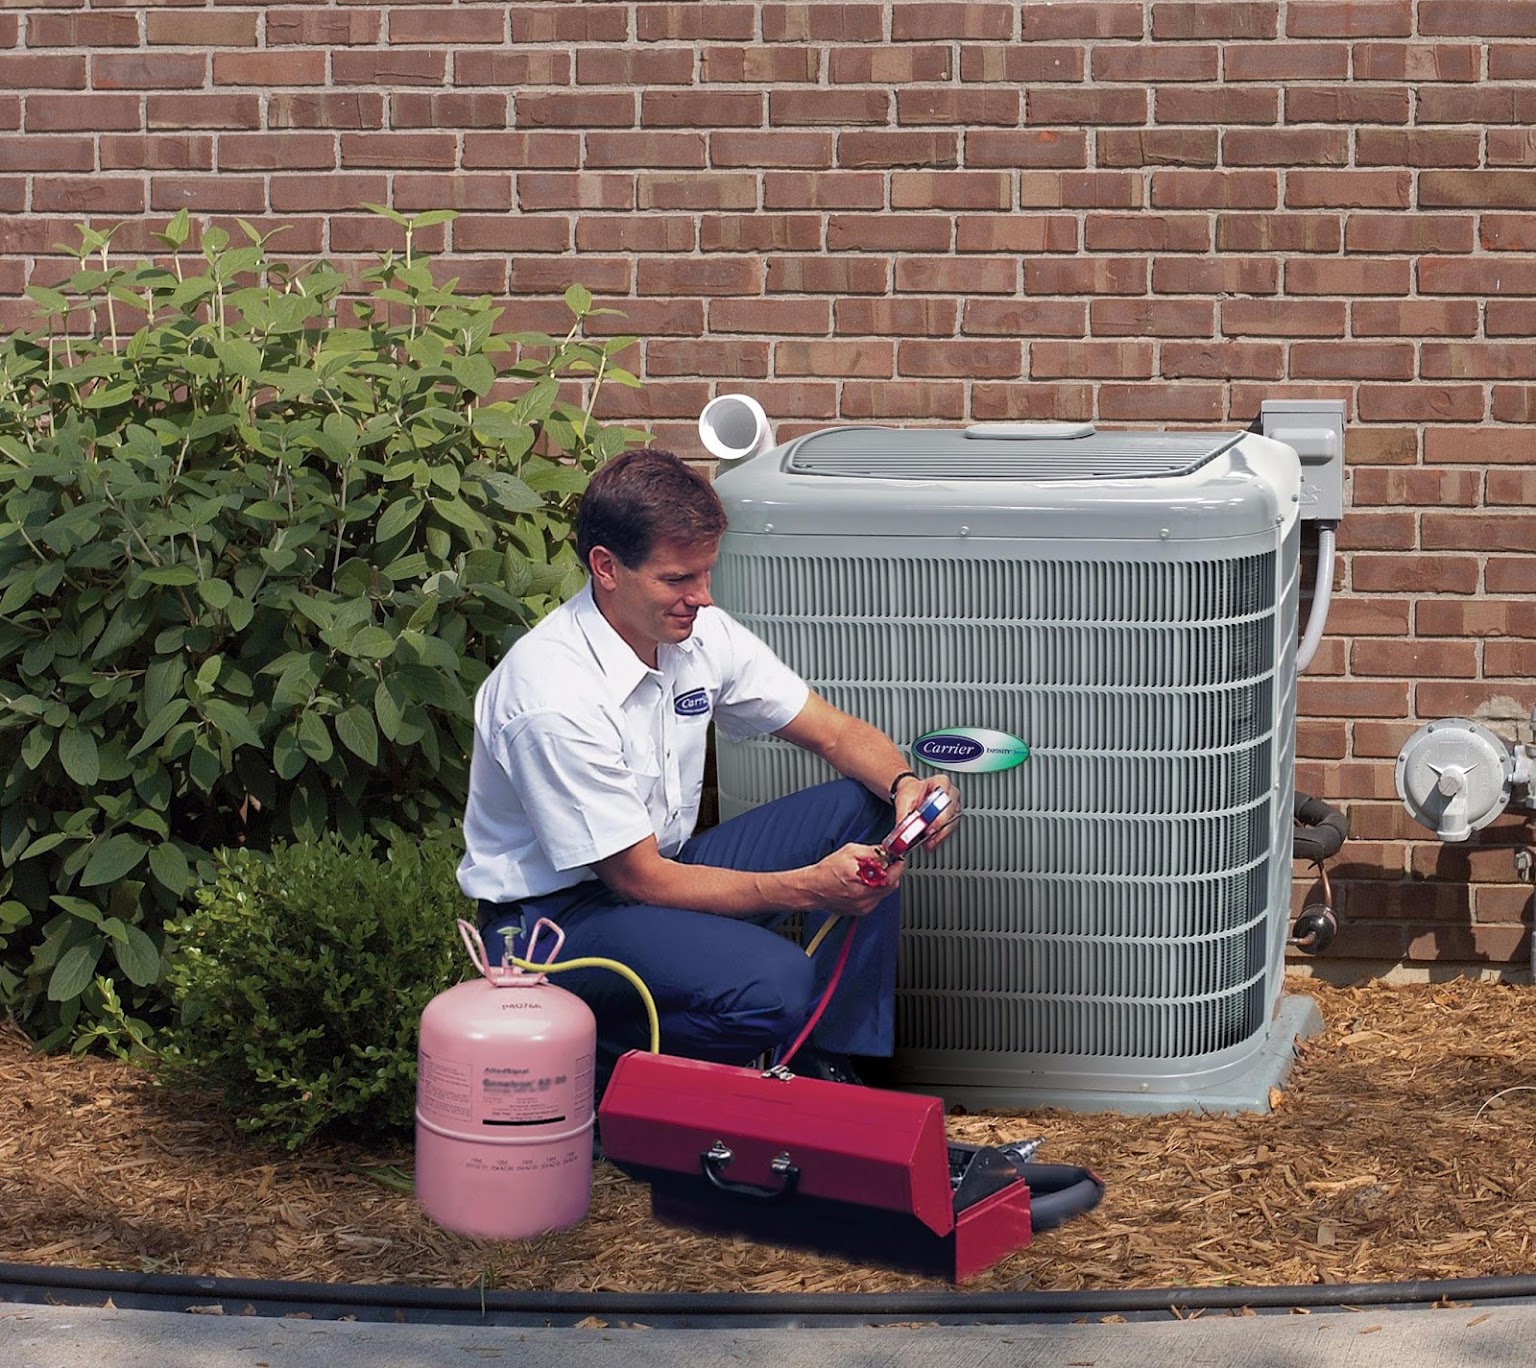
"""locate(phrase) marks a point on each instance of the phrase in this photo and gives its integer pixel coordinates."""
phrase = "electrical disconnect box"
(1314, 430)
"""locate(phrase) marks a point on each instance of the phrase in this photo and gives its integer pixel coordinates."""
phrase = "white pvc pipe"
(1322, 594)
(734, 426)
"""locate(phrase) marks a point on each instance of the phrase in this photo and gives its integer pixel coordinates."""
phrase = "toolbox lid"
(845, 1143)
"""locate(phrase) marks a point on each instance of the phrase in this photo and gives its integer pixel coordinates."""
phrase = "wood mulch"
(1401, 1148)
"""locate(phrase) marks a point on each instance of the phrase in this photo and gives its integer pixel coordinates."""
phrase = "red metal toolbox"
(858, 1172)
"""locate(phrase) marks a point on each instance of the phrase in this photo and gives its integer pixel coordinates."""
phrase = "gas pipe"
(504, 1101)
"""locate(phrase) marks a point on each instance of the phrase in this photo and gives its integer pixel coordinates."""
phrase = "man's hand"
(911, 793)
(838, 888)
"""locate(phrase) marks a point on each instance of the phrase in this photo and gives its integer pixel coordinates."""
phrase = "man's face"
(658, 600)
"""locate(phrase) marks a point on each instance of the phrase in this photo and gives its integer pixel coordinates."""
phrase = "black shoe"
(825, 1065)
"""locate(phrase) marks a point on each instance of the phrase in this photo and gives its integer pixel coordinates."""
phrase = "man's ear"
(603, 566)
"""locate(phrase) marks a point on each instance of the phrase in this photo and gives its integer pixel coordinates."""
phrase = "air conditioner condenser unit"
(1107, 928)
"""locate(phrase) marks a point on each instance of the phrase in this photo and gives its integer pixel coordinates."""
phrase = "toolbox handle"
(719, 1156)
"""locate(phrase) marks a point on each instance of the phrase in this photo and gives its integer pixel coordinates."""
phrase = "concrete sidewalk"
(41, 1336)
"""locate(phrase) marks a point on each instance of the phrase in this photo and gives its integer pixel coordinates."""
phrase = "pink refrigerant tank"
(504, 1102)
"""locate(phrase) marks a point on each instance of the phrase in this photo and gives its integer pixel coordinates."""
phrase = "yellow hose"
(591, 962)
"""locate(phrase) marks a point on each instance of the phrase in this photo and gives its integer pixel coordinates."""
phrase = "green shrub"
(255, 558)
(301, 976)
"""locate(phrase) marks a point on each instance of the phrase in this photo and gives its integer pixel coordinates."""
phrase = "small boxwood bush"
(301, 978)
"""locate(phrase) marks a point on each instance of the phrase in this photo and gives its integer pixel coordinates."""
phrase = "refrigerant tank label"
(974, 750)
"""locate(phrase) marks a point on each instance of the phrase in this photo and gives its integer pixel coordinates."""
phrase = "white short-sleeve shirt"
(581, 749)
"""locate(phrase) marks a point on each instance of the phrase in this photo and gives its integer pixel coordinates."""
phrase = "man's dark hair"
(642, 497)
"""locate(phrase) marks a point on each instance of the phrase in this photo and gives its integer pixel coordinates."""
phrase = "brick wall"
(1130, 212)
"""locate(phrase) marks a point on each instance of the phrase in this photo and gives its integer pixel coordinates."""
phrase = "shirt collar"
(615, 657)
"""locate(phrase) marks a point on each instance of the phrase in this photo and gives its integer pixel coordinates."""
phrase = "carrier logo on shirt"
(694, 703)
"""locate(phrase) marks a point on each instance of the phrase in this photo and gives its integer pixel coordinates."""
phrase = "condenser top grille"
(948, 454)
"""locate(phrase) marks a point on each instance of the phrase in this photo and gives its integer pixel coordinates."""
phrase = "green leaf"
(372, 643)
(398, 517)
(460, 514)
(315, 737)
(217, 594)
(111, 859)
(160, 723)
(357, 733)
(34, 750)
(578, 299)
(75, 970)
(232, 721)
(170, 867)
(137, 957)
(79, 756)
(288, 757)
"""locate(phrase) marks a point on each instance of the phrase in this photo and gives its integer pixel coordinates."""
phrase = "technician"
(585, 780)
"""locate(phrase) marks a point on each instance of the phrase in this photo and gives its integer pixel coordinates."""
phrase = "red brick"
(695, 190)
(892, 148)
(327, 28)
(1414, 659)
(82, 113)
(1477, 105)
(1421, 403)
(869, 359)
(455, 27)
(1096, 19)
(1161, 403)
(331, 109)
(759, 66)
(1350, 104)
(1418, 62)
(701, 109)
(657, 318)
(659, 399)
(578, 24)
(35, 72)
(1506, 61)
(1093, 107)
(1413, 234)
(1017, 232)
(1382, 821)
(50, 154)
(661, 23)
(773, 317)
(1156, 147)
(82, 31)
(1322, 740)
(1278, 233)
(896, 317)
(463, 192)
(538, 190)
(958, 275)
(1507, 904)
(301, 194)
(459, 109)
(1139, 232)
(88, 195)
(148, 71)
(192, 29)
(969, 106)
(969, 19)
(1514, 403)
(1381, 446)
(838, 108)
(1282, 318)
(388, 68)
(1025, 318)
(1097, 275)
(1381, 741)
(1463, 700)
(825, 190)
(269, 68)
(932, 400)
(1472, 189)
(630, 232)
(1024, 148)
(1478, 532)
(646, 149)
(1417, 147)
(1294, 147)
(1019, 402)
(1352, 698)
(1349, 276)
(711, 277)
(1285, 62)
(1204, 20)
(887, 233)
(163, 152)
(756, 232)
(964, 190)
(406, 151)
(1377, 531)
(523, 151)
(1218, 106)
(754, 149)
(276, 151)
(503, 232)
(1511, 147)
(584, 109)
(1518, 489)
(1152, 318)
(718, 357)
(1478, 18)
(1349, 189)
(1477, 276)
(826, 275)
(1479, 618)
(1350, 19)
(965, 360)
(1022, 66)
(1215, 189)
(1350, 615)
(551, 275)
(1110, 360)
(1080, 190)
(1510, 659)
(1484, 446)
(510, 69)
(1414, 318)
(1397, 574)
(1488, 360)
(1224, 275)
(1223, 360)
